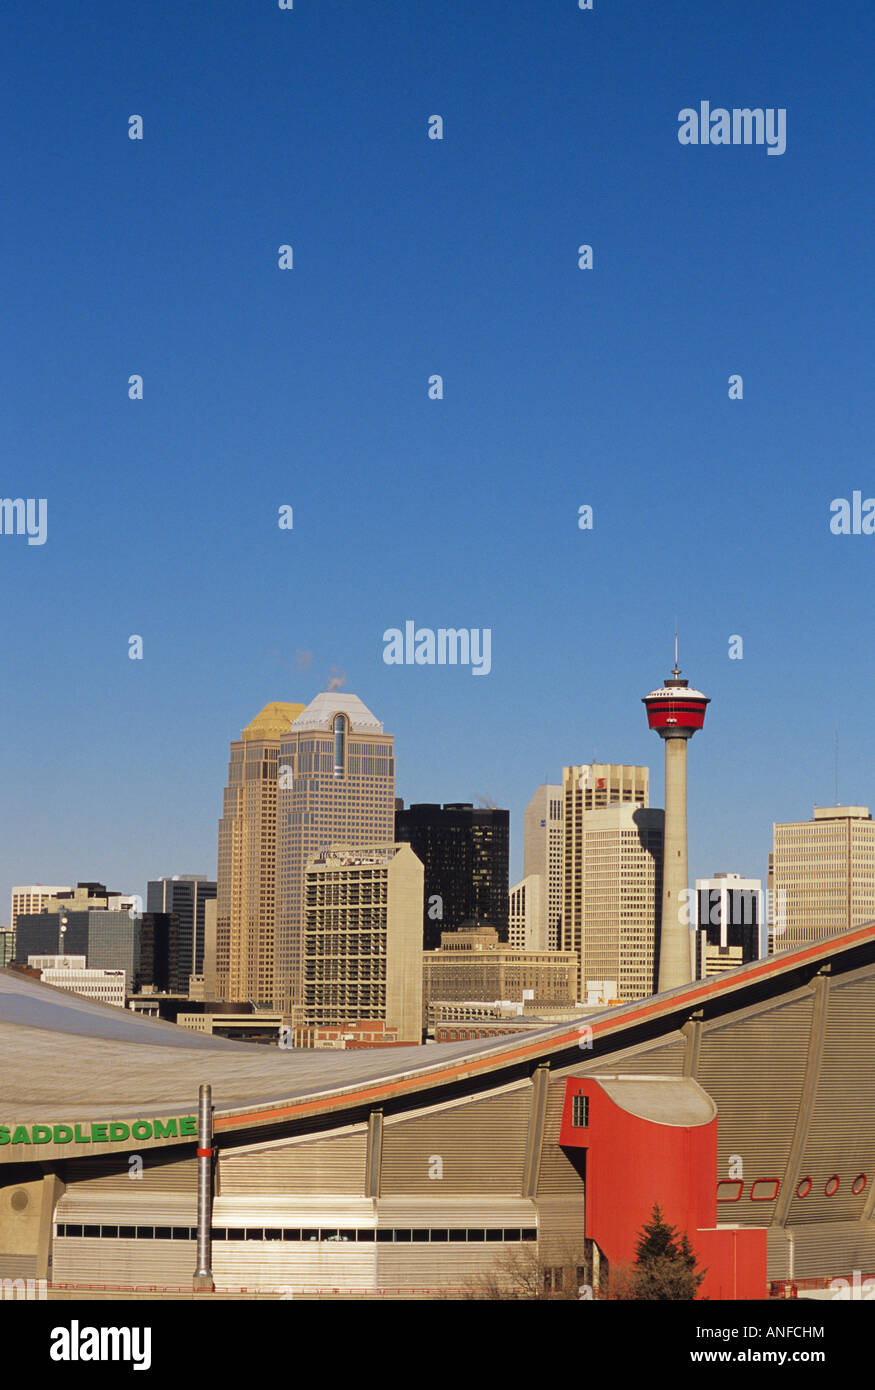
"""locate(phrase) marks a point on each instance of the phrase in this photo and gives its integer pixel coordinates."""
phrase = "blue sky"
(308, 387)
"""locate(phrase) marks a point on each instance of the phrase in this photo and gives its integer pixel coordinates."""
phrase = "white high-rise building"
(527, 917)
(543, 855)
(823, 875)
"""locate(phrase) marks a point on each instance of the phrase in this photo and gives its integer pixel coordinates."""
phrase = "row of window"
(767, 1189)
(382, 1236)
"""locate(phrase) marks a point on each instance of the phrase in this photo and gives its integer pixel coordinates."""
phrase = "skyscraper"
(336, 786)
(465, 852)
(622, 890)
(246, 884)
(543, 855)
(590, 787)
(185, 895)
(823, 874)
(727, 922)
(363, 939)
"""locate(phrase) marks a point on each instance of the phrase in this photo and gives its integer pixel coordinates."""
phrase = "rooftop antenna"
(676, 670)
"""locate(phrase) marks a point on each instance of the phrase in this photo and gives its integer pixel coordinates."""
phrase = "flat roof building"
(362, 944)
(473, 964)
(590, 787)
(465, 853)
(823, 875)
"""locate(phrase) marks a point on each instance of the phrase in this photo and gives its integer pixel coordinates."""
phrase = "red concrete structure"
(647, 1140)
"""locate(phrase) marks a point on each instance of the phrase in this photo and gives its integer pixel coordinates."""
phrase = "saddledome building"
(744, 1105)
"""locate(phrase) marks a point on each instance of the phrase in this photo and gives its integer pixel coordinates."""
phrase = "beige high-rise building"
(246, 881)
(590, 787)
(823, 875)
(34, 897)
(363, 938)
(542, 854)
(337, 786)
(527, 919)
(622, 898)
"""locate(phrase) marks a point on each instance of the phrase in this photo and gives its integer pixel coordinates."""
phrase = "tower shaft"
(675, 964)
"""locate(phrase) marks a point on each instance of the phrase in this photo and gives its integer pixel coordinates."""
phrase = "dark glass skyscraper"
(184, 895)
(465, 854)
(144, 947)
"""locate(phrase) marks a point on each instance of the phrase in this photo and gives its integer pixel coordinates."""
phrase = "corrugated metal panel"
(557, 1173)
(460, 1267)
(17, 1266)
(825, 1250)
(840, 1132)
(480, 1144)
(419, 1213)
(316, 1165)
(113, 1174)
(83, 1204)
(562, 1229)
(754, 1069)
(244, 1265)
(290, 1211)
(82, 1261)
(665, 1060)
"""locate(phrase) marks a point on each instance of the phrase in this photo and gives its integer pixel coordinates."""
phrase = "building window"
(580, 1111)
(339, 744)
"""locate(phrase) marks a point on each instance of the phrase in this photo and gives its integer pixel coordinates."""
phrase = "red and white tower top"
(674, 710)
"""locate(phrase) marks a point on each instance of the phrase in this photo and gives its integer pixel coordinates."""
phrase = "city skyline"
(564, 387)
(727, 860)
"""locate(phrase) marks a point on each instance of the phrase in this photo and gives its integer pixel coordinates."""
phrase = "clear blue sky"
(308, 387)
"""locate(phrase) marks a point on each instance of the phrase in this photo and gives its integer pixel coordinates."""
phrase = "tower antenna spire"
(677, 670)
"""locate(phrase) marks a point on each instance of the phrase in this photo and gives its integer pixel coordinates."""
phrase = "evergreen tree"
(665, 1264)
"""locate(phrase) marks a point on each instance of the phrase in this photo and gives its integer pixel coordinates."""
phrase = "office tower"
(527, 930)
(159, 955)
(622, 883)
(590, 787)
(675, 712)
(824, 875)
(141, 946)
(473, 964)
(336, 786)
(465, 853)
(246, 881)
(543, 854)
(727, 917)
(7, 946)
(33, 897)
(185, 895)
(363, 939)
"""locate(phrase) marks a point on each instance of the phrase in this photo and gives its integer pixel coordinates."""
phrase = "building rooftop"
(320, 713)
(273, 721)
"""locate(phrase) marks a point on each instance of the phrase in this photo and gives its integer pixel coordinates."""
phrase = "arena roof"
(67, 1058)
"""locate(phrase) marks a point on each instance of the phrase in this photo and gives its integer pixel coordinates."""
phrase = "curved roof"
(66, 1058)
